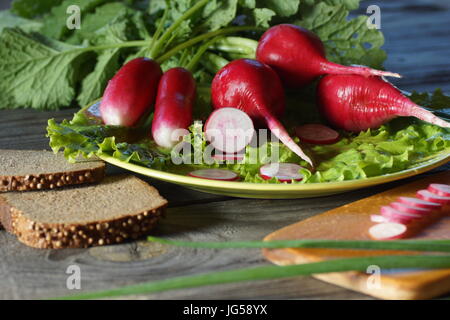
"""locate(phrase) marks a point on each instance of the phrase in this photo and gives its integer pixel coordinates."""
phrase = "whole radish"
(357, 103)
(173, 107)
(256, 89)
(131, 92)
(298, 56)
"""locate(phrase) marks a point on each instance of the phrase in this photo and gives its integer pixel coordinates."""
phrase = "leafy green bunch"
(45, 65)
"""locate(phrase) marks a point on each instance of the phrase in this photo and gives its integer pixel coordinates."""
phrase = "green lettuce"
(401, 144)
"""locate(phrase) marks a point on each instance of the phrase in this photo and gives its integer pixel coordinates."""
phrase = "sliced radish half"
(394, 215)
(432, 197)
(316, 134)
(229, 130)
(228, 157)
(387, 231)
(440, 189)
(285, 172)
(215, 174)
(378, 218)
(419, 203)
(410, 209)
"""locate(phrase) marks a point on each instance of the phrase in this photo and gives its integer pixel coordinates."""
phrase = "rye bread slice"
(118, 208)
(24, 170)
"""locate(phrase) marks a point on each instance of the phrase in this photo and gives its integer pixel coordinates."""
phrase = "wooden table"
(417, 40)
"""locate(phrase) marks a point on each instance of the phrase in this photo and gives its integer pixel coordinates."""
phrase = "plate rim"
(273, 187)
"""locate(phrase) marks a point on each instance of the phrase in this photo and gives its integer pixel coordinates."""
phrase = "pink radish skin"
(298, 56)
(316, 134)
(173, 107)
(357, 103)
(215, 174)
(410, 209)
(131, 92)
(387, 231)
(284, 172)
(428, 196)
(414, 202)
(439, 189)
(229, 130)
(394, 215)
(256, 89)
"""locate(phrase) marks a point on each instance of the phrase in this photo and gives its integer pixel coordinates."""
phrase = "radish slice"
(285, 172)
(410, 209)
(387, 231)
(215, 174)
(229, 130)
(440, 189)
(428, 196)
(228, 157)
(316, 134)
(414, 202)
(397, 216)
(377, 218)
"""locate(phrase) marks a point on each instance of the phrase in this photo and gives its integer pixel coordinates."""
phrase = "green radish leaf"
(285, 8)
(32, 8)
(55, 22)
(10, 20)
(37, 72)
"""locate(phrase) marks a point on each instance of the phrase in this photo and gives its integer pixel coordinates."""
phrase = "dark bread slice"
(118, 208)
(24, 170)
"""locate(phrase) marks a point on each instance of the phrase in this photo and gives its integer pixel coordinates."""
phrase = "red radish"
(215, 174)
(173, 107)
(378, 218)
(298, 56)
(410, 209)
(394, 215)
(317, 134)
(284, 172)
(229, 130)
(414, 202)
(131, 92)
(432, 197)
(440, 189)
(387, 231)
(256, 89)
(228, 157)
(357, 103)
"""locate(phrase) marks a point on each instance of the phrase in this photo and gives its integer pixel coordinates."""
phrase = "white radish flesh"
(420, 203)
(229, 130)
(387, 231)
(284, 172)
(378, 218)
(428, 196)
(215, 174)
(440, 189)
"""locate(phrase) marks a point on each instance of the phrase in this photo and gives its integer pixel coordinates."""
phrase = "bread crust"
(52, 180)
(58, 236)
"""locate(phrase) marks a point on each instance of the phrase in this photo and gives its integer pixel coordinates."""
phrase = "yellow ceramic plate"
(276, 191)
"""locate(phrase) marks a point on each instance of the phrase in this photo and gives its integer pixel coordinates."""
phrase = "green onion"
(408, 245)
(273, 272)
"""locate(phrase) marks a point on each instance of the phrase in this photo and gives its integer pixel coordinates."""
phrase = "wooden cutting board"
(351, 222)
